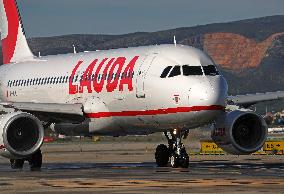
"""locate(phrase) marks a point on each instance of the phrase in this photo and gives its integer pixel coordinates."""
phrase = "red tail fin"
(14, 44)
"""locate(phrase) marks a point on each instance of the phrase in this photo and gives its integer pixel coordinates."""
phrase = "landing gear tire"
(162, 155)
(35, 161)
(184, 161)
(17, 163)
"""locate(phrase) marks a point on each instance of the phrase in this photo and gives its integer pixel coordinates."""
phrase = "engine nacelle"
(240, 132)
(21, 135)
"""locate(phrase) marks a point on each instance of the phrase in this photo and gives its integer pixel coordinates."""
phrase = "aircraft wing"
(49, 112)
(247, 100)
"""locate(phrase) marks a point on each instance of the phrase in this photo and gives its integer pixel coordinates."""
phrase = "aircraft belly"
(143, 124)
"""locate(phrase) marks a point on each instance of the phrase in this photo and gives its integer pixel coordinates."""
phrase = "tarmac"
(125, 167)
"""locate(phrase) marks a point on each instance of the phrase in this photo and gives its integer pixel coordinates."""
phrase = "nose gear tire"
(184, 161)
(162, 155)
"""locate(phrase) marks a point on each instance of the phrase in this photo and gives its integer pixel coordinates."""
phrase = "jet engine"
(240, 132)
(21, 135)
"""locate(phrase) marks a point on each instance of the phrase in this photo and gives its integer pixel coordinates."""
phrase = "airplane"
(128, 91)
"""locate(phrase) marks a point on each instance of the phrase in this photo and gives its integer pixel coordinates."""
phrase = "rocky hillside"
(249, 52)
(236, 52)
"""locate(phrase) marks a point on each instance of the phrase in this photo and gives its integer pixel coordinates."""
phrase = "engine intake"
(240, 132)
(22, 134)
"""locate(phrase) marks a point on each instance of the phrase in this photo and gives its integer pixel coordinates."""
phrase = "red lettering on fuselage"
(112, 75)
(86, 80)
(113, 78)
(98, 85)
(127, 75)
(73, 89)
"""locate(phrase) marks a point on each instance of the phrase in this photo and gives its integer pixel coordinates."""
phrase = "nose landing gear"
(175, 152)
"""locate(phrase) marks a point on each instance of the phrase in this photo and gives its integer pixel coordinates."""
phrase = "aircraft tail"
(15, 47)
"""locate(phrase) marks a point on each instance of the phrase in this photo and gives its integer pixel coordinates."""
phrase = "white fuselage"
(117, 100)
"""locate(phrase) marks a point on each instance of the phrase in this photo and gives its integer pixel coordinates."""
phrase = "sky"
(58, 17)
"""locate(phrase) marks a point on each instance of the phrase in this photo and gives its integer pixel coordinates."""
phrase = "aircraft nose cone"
(209, 92)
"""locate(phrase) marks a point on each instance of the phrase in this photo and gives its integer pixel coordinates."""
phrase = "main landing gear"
(35, 161)
(175, 152)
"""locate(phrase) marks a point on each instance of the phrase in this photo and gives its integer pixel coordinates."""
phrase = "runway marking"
(107, 183)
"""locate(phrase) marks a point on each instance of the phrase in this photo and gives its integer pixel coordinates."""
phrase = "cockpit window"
(210, 70)
(191, 70)
(175, 71)
(166, 71)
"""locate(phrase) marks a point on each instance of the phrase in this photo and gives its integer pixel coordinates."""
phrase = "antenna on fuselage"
(74, 49)
(175, 41)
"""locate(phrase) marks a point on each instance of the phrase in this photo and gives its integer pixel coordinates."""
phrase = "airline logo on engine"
(113, 77)
(219, 132)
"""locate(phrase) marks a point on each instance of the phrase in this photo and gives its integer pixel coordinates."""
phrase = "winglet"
(14, 43)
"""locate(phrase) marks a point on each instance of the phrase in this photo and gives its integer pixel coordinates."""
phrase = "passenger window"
(166, 71)
(191, 70)
(175, 71)
(210, 70)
